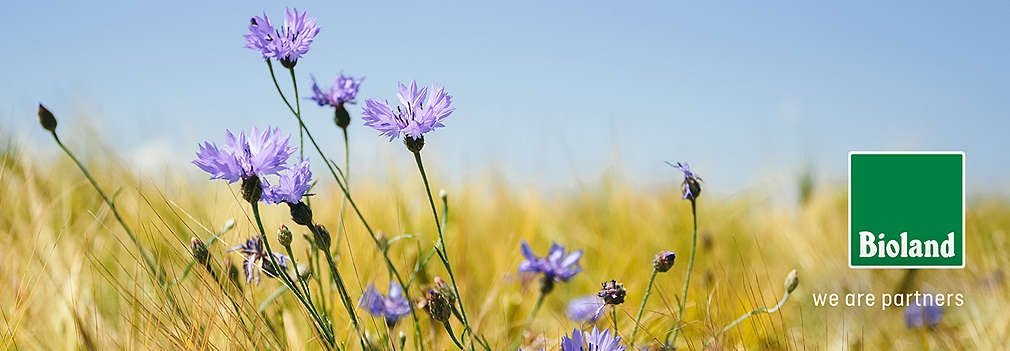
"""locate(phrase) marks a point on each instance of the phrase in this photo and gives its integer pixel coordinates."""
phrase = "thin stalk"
(536, 308)
(345, 298)
(441, 239)
(761, 309)
(319, 281)
(641, 308)
(613, 317)
(321, 327)
(687, 280)
(448, 329)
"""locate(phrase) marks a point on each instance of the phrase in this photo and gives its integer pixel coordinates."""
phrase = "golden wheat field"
(72, 279)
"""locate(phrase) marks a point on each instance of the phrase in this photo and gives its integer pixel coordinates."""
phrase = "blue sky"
(548, 92)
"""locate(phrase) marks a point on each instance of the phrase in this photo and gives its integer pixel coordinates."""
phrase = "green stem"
(641, 308)
(613, 317)
(448, 329)
(761, 309)
(298, 107)
(441, 239)
(687, 280)
(345, 298)
(536, 308)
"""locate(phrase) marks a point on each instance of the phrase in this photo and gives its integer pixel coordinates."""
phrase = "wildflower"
(288, 43)
(259, 154)
(344, 90)
(923, 312)
(284, 236)
(437, 305)
(573, 343)
(46, 119)
(557, 266)
(602, 341)
(664, 261)
(585, 309)
(691, 187)
(391, 307)
(612, 293)
(414, 118)
(291, 186)
(443, 287)
(256, 260)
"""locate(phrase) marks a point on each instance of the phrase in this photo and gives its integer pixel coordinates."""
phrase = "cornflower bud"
(284, 236)
(47, 119)
(300, 213)
(322, 237)
(437, 305)
(792, 280)
(663, 261)
(612, 293)
(199, 251)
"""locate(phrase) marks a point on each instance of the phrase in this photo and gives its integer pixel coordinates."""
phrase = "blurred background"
(548, 94)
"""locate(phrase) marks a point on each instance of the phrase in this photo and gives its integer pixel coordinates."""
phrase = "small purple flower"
(256, 260)
(691, 187)
(288, 43)
(556, 266)
(417, 115)
(602, 341)
(392, 307)
(344, 90)
(586, 309)
(291, 185)
(259, 154)
(923, 313)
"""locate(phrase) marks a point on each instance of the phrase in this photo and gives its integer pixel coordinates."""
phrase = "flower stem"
(641, 308)
(761, 309)
(321, 327)
(448, 329)
(613, 317)
(536, 308)
(441, 239)
(687, 280)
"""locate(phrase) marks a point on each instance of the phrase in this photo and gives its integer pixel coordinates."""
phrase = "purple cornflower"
(417, 115)
(291, 185)
(259, 154)
(556, 266)
(923, 313)
(585, 309)
(602, 341)
(256, 260)
(344, 90)
(288, 43)
(392, 307)
(573, 343)
(691, 187)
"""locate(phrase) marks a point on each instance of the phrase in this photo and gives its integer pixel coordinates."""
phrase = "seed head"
(612, 293)
(792, 280)
(663, 261)
(47, 119)
(284, 236)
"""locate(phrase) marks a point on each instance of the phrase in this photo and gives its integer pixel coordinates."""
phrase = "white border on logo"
(848, 240)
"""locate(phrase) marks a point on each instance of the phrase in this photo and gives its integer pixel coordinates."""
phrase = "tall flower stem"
(687, 280)
(536, 308)
(345, 298)
(441, 239)
(321, 327)
(298, 112)
(744, 317)
(613, 317)
(641, 308)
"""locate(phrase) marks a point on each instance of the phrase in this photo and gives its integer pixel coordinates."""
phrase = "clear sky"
(549, 92)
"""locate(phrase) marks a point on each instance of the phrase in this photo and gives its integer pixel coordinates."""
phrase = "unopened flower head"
(792, 280)
(585, 309)
(284, 236)
(437, 305)
(612, 293)
(46, 119)
(691, 187)
(664, 261)
(417, 114)
(287, 43)
(557, 266)
(242, 157)
(343, 90)
(392, 307)
(291, 185)
(256, 260)
(199, 251)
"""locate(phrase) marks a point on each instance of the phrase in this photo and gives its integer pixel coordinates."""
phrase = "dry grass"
(71, 279)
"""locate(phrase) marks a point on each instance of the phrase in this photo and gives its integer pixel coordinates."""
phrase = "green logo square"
(906, 210)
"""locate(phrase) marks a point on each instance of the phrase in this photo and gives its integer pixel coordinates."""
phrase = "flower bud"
(47, 119)
(792, 280)
(322, 237)
(612, 293)
(300, 213)
(437, 305)
(442, 194)
(228, 225)
(443, 287)
(341, 117)
(664, 261)
(252, 189)
(414, 145)
(199, 251)
(403, 340)
(284, 236)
